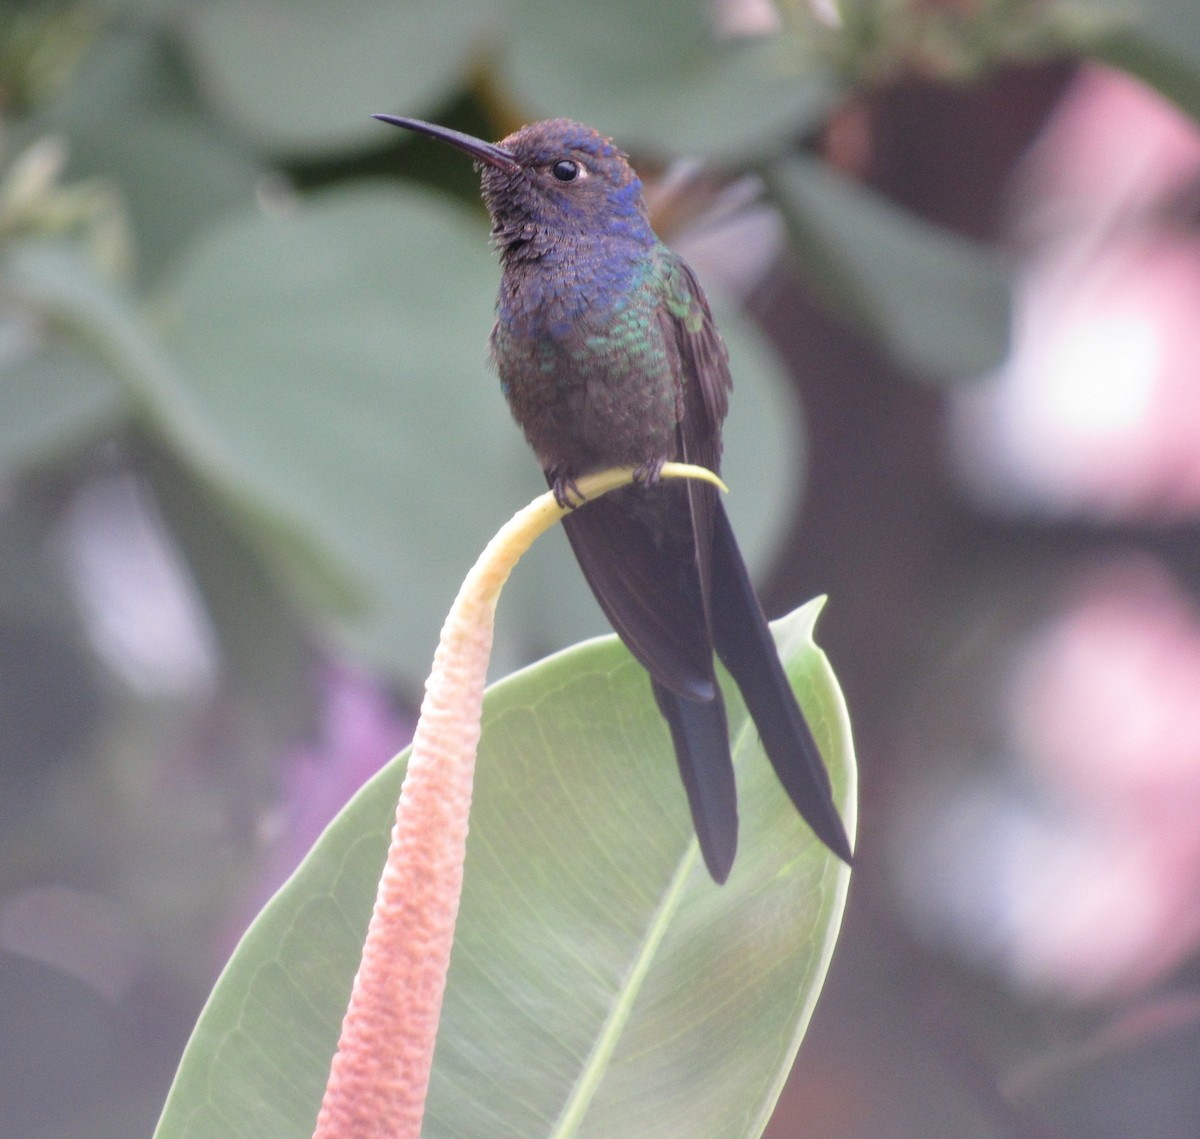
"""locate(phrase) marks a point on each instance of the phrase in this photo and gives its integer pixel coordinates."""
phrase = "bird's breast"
(585, 367)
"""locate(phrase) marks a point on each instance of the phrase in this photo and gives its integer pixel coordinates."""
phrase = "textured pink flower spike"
(380, 1073)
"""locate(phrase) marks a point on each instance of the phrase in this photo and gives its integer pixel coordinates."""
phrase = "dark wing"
(703, 361)
(688, 325)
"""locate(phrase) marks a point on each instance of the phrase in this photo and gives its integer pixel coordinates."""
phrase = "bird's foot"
(649, 473)
(566, 493)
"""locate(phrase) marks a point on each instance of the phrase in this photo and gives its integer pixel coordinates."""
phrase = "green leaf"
(1157, 41)
(337, 354)
(132, 118)
(52, 399)
(300, 80)
(939, 302)
(601, 984)
(652, 73)
(765, 454)
(265, 645)
(89, 315)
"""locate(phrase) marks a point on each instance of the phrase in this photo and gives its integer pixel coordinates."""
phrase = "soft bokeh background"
(248, 446)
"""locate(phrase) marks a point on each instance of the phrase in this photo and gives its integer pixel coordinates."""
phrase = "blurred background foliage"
(249, 445)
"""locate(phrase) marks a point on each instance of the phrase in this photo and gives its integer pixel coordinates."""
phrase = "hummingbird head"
(552, 179)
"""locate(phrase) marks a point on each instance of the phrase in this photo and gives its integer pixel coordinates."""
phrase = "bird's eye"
(565, 170)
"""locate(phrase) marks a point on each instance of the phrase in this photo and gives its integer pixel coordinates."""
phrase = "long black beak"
(487, 152)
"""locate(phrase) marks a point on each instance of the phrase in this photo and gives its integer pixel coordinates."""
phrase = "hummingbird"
(608, 356)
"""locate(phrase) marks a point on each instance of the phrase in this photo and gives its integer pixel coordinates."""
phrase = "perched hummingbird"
(609, 357)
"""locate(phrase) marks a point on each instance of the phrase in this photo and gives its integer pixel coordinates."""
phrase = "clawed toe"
(649, 473)
(567, 493)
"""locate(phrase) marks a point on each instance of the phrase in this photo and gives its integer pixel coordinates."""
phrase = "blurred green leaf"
(88, 314)
(153, 8)
(132, 117)
(337, 354)
(765, 449)
(581, 864)
(1157, 41)
(298, 81)
(266, 659)
(939, 302)
(652, 73)
(80, 310)
(52, 398)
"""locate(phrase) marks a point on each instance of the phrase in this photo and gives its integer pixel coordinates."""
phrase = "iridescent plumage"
(608, 356)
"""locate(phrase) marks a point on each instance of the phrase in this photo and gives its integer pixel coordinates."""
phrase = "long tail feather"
(701, 737)
(744, 644)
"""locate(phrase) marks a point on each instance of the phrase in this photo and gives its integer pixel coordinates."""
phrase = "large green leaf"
(302, 76)
(132, 117)
(88, 314)
(338, 354)
(601, 984)
(939, 302)
(652, 72)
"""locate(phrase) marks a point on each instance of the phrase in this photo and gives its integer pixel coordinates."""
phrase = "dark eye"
(565, 170)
